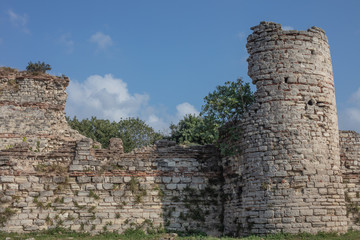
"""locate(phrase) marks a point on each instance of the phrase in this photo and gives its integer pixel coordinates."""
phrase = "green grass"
(59, 233)
(351, 235)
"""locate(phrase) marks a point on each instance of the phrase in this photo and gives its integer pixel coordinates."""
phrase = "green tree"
(41, 67)
(194, 129)
(228, 102)
(134, 132)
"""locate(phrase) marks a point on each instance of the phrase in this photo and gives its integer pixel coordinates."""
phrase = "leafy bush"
(39, 67)
(194, 129)
(134, 132)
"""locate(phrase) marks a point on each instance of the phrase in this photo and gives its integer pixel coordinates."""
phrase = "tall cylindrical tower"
(291, 161)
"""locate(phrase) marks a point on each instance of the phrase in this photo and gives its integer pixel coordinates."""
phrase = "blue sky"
(158, 59)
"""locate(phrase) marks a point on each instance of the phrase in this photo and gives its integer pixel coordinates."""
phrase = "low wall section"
(87, 189)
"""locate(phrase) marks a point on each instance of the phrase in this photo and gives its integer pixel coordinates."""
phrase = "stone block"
(150, 179)
(75, 187)
(22, 216)
(109, 199)
(89, 187)
(97, 179)
(37, 187)
(46, 194)
(76, 168)
(323, 191)
(67, 199)
(12, 186)
(320, 212)
(197, 180)
(39, 222)
(117, 180)
(83, 193)
(108, 186)
(306, 212)
(21, 204)
(175, 179)
(166, 179)
(26, 222)
(33, 179)
(21, 179)
(181, 186)
(83, 179)
(269, 214)
(7, 179)
(171, 186)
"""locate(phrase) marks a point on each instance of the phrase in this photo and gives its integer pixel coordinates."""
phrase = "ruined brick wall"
(95, 190)
(350, 166)
(290, 146)
(50, 175)
(32, 109)
(284, 169)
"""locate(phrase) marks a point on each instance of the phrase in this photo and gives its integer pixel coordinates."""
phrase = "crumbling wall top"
(32, 109)
(265, 28)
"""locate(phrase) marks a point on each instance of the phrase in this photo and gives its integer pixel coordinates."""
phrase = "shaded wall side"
(350, 166)
(233, 169)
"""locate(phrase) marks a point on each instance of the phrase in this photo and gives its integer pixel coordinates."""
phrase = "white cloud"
(158, 123)
(356, 97)
(349, 118)
(185, 109)
(18, 20)
(67, 42)
(103, 41)
(286, 28)
(107, 97)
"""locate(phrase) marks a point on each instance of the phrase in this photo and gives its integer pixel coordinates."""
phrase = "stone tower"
(289, 153)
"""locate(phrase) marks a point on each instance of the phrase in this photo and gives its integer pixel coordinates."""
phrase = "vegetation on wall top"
(226, 103)
(38, 67)
(134, 133)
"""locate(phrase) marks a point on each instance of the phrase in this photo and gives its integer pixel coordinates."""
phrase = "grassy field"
(57, 234)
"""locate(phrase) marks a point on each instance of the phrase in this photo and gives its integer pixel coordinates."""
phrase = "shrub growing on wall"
(134, 132)
(39, 67)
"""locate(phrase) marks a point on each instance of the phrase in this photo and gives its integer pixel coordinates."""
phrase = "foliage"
(227, 103)
(41, 67)
(134, 132)
(7, 70)
(194, 129)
